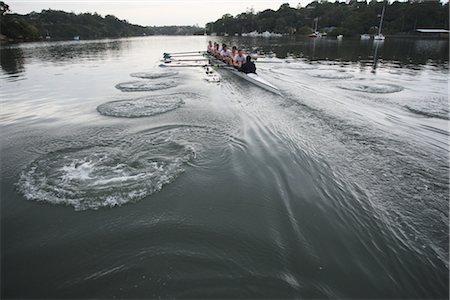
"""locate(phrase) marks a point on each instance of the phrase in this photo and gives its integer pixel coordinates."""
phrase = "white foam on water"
(77, 169)
(102, 176)
(130, 170)
(143, 106)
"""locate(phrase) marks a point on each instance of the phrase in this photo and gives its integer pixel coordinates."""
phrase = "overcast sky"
(150, 12)
(155, 12)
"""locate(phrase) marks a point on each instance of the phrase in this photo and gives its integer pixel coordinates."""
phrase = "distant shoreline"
(60, 25)
(4, 41)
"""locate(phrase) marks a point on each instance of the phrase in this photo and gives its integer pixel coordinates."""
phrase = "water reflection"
(12, 60)
(13, 56)
(376, 45)
(400, 51)
(423, 48)
(65, 51)
(313, 49)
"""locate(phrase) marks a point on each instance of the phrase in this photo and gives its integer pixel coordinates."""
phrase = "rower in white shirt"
(239, 59)
(225, 54)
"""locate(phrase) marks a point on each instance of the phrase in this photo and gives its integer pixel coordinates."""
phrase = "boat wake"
(355, 140)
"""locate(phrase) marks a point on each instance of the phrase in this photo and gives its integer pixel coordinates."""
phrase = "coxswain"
(248, 66)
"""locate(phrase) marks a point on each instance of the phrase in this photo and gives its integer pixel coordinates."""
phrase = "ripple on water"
(143, 106)
(129, 170)
(98, 176)
(333, 75)
(146, 85)
(429, 113)
(375, 88)
(301, 67)
(432, 107)
(154, 75)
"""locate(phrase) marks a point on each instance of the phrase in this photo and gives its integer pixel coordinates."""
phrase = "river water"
(123, 179)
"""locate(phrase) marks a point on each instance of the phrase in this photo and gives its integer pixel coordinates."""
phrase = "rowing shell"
(251, 77)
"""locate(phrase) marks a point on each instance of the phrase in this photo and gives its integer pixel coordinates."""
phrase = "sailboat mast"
(382, 17)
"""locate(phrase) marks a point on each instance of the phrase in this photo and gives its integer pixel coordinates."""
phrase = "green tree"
(4, 8)
(351, 18)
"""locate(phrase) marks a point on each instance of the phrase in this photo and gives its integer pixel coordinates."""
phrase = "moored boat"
(315, 35)
(380, 36)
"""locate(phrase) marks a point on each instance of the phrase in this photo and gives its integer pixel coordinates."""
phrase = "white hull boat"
(251, 77)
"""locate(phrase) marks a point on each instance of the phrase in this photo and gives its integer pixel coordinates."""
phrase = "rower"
(210, 47)
(217, 51)
(230, 58)
(225, 54)
(239, 59)
(248, 66)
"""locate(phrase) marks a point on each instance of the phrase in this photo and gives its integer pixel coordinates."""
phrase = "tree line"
(56, 24)
(177, 30)
(348, 18)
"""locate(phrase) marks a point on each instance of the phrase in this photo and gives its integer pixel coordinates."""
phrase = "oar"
(181, 55)
(198, 65)
(223, 66)
(169, 60)
(267, 62)
(205, 65)
(188, 52)
(168, 64)
(181, 66)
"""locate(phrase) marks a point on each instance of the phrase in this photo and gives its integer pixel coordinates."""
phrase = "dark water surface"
(121, 179)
